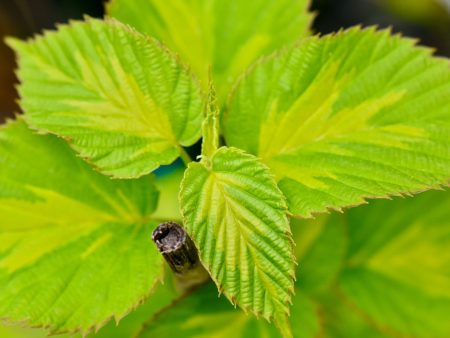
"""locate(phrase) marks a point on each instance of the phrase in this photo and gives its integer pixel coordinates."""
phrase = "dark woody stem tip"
(180, 253)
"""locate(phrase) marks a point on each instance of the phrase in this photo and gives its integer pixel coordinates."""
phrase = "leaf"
(15, 332)
(202, 315)
(75, 246)
(236, 215)
(340, 322)
(360, 114)
(127, 328)
(122, 100)
(398, 270)
(210, 126)
(130, 326)
(320, 247)
(224, 35)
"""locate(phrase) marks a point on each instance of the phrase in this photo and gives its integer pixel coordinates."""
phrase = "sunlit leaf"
(236, 215)
(210, 126)
(346, 117)
(222, 34)
(121, 99)
(131, 325)
(75, 246)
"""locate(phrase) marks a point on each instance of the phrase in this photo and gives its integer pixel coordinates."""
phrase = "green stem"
(185, 156)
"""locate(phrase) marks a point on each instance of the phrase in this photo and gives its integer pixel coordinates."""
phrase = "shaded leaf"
(320, 247)
(339, 321)
(203, 315)
(398, 271)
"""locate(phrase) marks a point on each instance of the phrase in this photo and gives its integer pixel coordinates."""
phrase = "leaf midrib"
(248, 244)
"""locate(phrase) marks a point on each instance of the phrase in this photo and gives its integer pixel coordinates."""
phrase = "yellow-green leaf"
(355, 115)
(236, 215)
(75, 246)
(166, 295)
(123, 101)
(210, 127)
(222, 35)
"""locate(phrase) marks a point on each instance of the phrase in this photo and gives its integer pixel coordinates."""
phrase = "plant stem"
(185, 156)
(181, 254)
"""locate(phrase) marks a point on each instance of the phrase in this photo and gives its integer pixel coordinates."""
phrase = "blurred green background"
(428, 20)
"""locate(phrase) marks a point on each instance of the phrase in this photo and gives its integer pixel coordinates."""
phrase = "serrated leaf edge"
(130, 29)
(288, 235)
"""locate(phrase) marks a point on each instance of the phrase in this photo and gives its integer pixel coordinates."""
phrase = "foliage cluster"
(291, 126)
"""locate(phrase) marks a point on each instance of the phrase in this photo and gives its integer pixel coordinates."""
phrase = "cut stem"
(181, 254)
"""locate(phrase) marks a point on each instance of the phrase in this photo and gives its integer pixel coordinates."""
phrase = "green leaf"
(320, 247)
(339, 321)
(203, 315)
(236, 215)
(398, 270)
(210, 127)
(19, 332)
(121, 99)
(75, 246)
(356, 115)
(224, 35)
(130, 326)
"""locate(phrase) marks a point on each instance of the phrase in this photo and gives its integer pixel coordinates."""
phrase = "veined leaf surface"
(346, 117)
(165, 295)
(203, 315)
(236, 215)
(123, 101)
(222, 34)
(398, 264)
(75, 246)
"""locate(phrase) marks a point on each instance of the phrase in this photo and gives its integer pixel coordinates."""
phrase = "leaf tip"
(14, 43)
